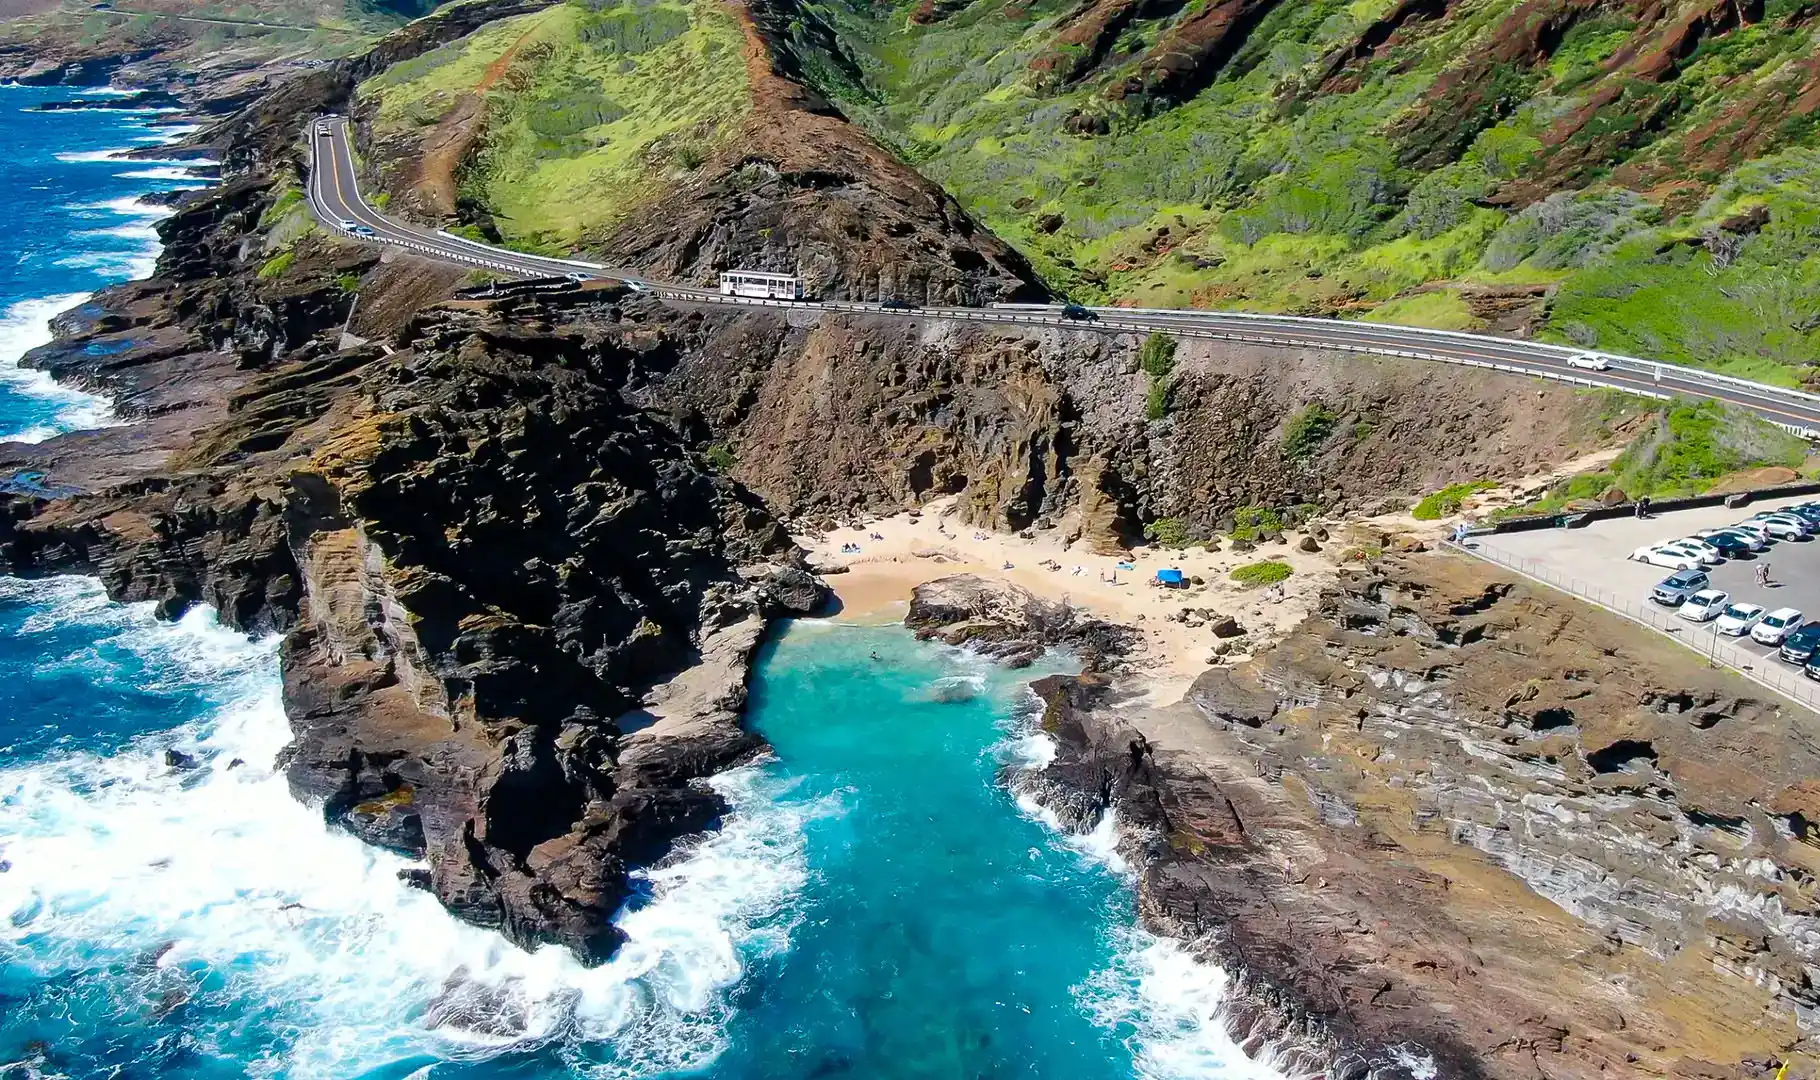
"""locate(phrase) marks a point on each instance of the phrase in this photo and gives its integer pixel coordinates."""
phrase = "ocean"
(877, 904)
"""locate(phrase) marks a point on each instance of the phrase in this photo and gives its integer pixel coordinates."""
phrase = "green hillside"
(581, 110)
(1631, 179)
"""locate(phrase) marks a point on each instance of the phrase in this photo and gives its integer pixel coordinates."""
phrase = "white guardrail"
(1275, 330)
(1655, 369)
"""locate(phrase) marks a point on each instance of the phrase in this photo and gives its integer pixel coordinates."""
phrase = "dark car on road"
(894, 304)
(1800, 646)
(1079, 313)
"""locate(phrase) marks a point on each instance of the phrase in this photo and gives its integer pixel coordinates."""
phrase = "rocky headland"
(522, 549)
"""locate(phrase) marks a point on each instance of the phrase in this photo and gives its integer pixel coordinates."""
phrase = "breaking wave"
(192, 898)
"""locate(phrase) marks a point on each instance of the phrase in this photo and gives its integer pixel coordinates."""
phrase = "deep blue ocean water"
(876, 905)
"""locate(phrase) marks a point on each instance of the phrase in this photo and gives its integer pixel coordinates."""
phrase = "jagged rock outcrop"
(1455, 811)
(1009, 623)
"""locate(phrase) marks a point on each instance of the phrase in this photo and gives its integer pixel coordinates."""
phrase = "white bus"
(761, 284)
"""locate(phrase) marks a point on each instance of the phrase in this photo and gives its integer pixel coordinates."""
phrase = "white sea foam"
(105, 91)
(1173, 1004)
(25, 326)
(160, 172)
(126, 264)
(332, 959)
(80, 156)
(143, 231)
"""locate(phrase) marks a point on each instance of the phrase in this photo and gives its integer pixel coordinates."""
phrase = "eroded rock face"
(1451, 810)
(834, 413)
(481, 556)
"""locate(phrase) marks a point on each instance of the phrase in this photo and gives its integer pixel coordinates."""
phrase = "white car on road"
(1775, 626)
(1737, 619)
(1589, 362)
(1672, 557)
(1703, 605)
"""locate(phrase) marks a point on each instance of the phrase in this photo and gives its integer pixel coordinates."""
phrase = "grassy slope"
(342, 27)
(591, 106)
(1688, 449)
(1279, 198)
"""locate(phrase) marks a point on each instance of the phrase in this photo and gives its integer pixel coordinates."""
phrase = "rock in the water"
(1009, 623)
(177, 759)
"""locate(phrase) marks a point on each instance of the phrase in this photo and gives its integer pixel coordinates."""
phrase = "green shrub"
(1447, 501)
(282, 205)
(1693, 444)
(1157, 356)
(1170, 532)
(347, 282)
(1252, 522)
(1157, 359)
(1156, 400)
(719, 457)
(1309, 430)
(1268, 572)
(276, 265)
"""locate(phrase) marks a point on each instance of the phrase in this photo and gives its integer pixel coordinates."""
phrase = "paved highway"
(335, 198)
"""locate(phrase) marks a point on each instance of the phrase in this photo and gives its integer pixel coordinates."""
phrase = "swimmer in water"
(875, 655)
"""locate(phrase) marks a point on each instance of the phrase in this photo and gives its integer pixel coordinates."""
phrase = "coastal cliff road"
(335, 198)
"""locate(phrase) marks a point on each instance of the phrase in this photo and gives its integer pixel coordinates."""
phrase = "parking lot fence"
(1718, 650)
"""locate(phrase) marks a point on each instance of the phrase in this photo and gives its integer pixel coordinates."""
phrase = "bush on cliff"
(1309, 430)
(1157, 359)
(1447, 501)
(275, 266)
(1169, 532)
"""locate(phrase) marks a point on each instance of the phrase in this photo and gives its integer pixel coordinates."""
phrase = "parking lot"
(1597, 558)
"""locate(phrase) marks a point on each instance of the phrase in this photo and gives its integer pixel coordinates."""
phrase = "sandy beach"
(919, 546)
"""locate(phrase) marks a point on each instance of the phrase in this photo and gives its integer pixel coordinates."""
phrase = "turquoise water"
(876, 905)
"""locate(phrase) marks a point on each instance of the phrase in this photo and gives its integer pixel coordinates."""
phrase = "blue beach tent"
(1169, 576)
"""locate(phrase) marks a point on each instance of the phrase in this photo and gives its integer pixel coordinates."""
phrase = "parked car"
(1754, 540)
(1753, 528)
(1737, 619)
(1812, 668)
(1778, 624)
(1680, 585)
(1730, 545)
(1672, 558)
(1785, 526)
(1709, 553)
(1808, 512)
(1703, 605)
(1799, 647)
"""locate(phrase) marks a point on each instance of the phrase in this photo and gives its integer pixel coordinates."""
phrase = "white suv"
(1775, 626)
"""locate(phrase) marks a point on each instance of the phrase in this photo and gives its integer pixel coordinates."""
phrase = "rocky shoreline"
(1408, 832)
